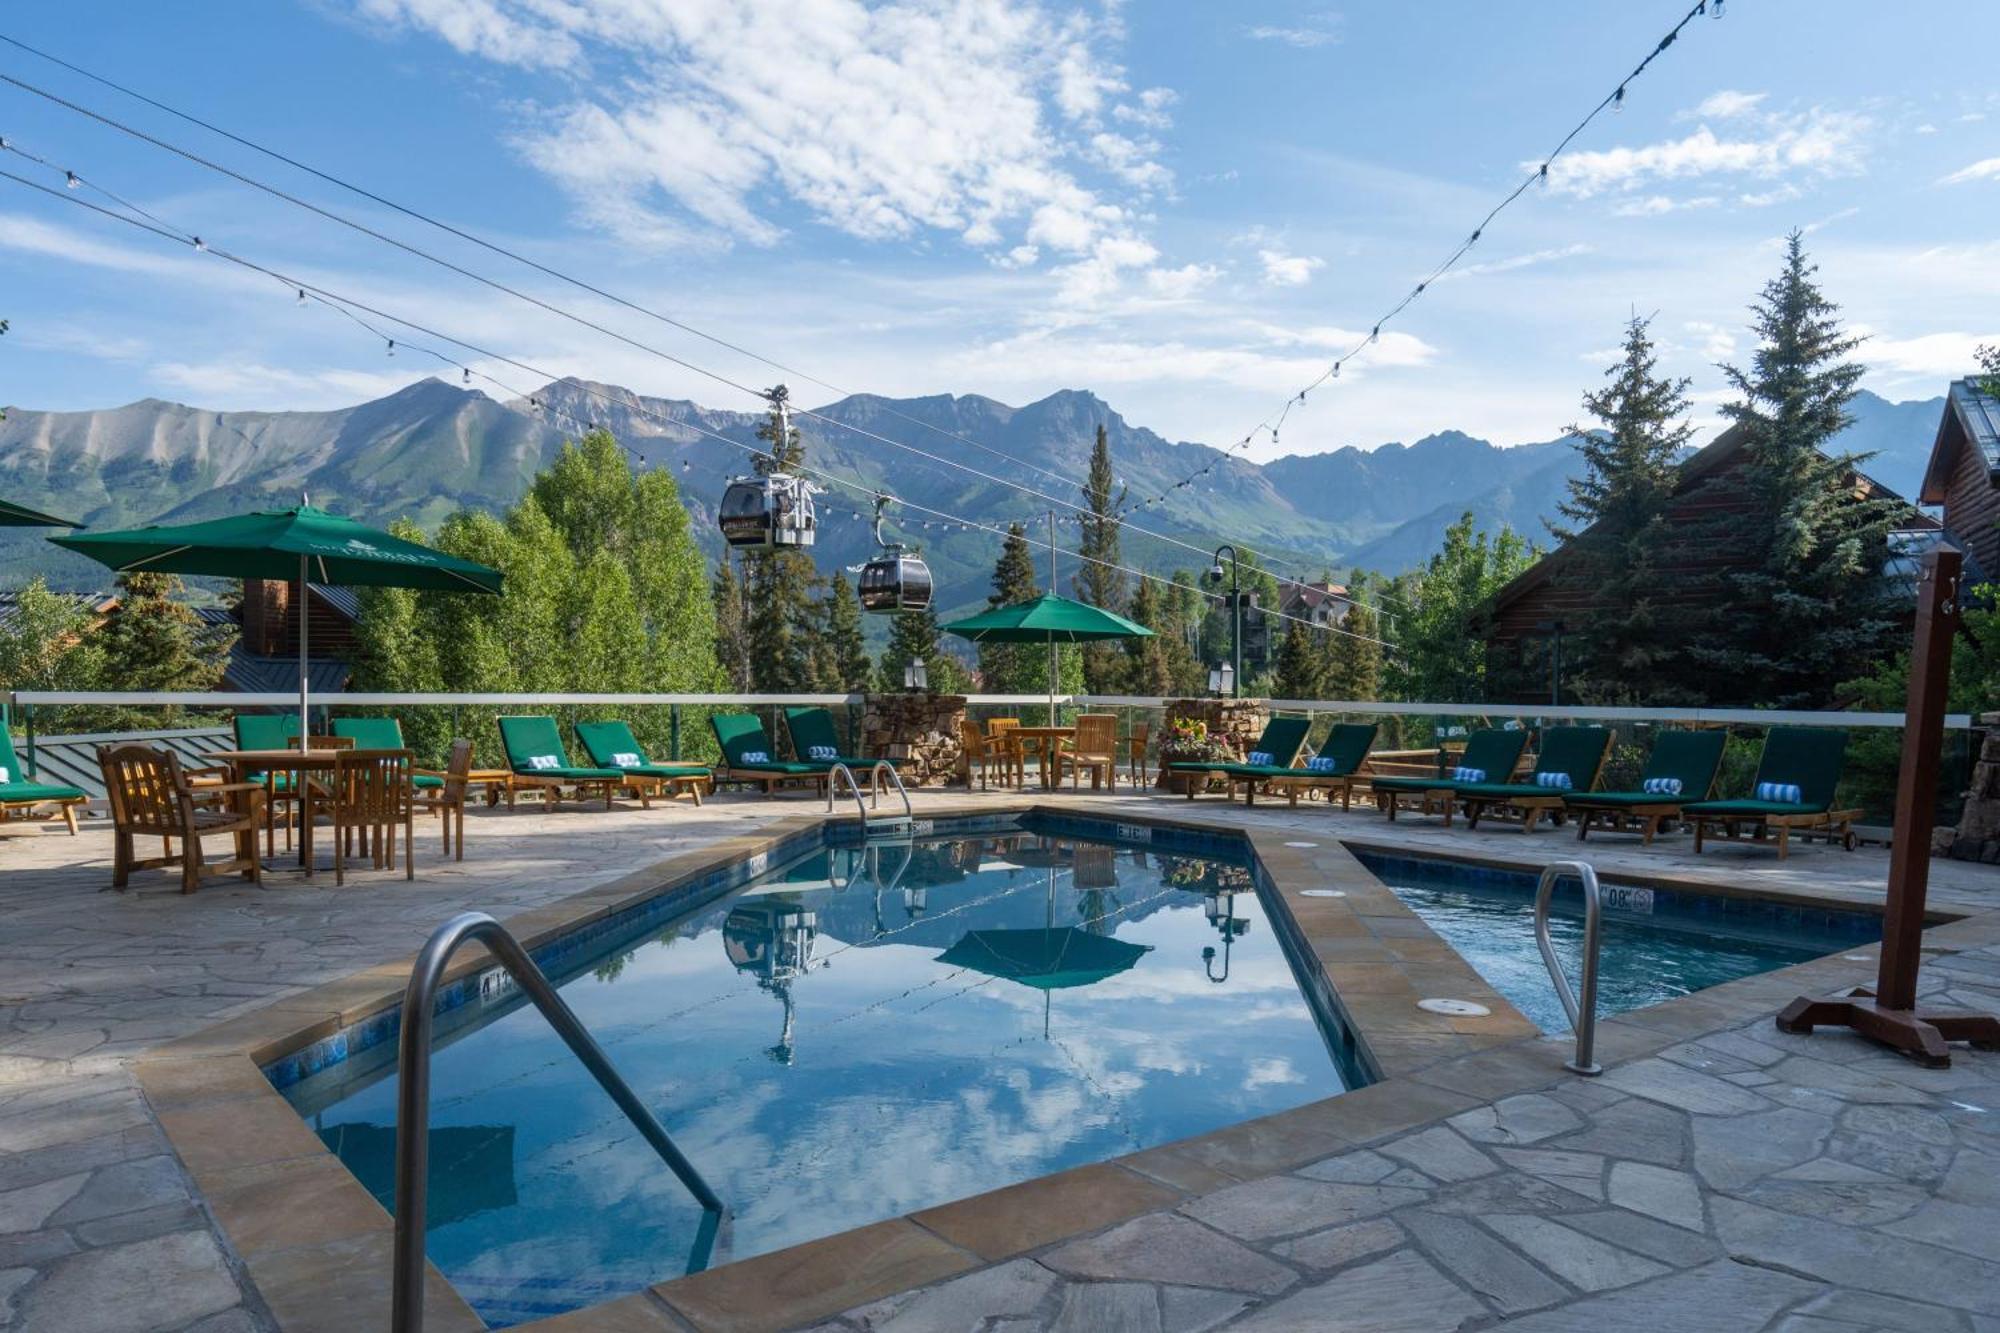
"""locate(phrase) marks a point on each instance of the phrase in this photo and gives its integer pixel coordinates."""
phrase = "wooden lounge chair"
(743, 739)
(816, 740)
(612, 745)
(19, 795)
(1340, 758)
(536, 756)
(1283, 738)
(1808, 758)
(1572, 754)
(1094, 747)
(1688, 759)
(1493, 751)
(152, 796)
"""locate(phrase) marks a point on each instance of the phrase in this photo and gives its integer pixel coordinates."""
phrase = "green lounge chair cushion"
(1347, 745)
(371, 733)
(265, 731)
(16, 793)
(812, 728)
(1502, 791)
(17, 787)
(1751, 809)
(738, 733)
(1691, 756)
(529, 737)
(1577, 751)
(1283, 738)
(1495, 750)
(1252, 770)
(604, 741)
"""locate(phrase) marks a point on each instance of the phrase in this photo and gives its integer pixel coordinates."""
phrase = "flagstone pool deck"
(1720, 1175)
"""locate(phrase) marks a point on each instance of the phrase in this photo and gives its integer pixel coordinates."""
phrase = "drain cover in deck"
(1322, 893)
(1455, 1008)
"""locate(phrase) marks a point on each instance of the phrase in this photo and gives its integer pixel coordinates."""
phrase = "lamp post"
(1235, 676)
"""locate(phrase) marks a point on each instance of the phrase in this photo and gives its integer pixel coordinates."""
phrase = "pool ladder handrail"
(1583, 1013)
(413, 1095)
(881, 767)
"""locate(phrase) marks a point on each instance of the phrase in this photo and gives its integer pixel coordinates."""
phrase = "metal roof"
(1979, 414)
(10, 605)
(248, 673)
(346, 601)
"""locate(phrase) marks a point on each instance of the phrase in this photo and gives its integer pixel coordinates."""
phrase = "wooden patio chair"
(999, 730)
(368, 795)
(152, 795)
(446, 799)
(1094, 747)
(981, 754)
(1138, 768)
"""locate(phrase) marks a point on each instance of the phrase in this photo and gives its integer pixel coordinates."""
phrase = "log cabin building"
(1964, 477)
(1522, 624)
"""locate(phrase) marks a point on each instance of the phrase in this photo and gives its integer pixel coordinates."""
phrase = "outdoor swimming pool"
(846, 1039)
(1656, 943)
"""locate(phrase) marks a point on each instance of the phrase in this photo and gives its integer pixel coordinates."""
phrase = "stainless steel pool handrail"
(413, 1094)
(853, 785)
(1582, 1014)
(875, 780)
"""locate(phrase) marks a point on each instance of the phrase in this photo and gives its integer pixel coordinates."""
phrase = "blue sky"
(1187, 208)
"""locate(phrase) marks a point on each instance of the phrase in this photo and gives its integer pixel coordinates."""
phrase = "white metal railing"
(1752, 717)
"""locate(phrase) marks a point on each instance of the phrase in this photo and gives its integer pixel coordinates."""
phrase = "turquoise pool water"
(1656, 943)
(845, 1040)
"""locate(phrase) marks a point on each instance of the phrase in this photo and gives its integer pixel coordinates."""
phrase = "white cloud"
(1513, 262)
(1180, 283)
(1815, 143)
(1925, 128)
(1314, 30)
(879, 120)
(1288, 270)
(1725, 104)
(1937, 355)
(1653, 205)
(1984, 169)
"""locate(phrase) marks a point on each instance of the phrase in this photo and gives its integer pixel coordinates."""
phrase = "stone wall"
(918, 731)
(1978, 834)
(1239, 722)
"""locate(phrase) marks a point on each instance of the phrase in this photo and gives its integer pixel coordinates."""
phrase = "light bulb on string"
(392, 347)
(1715, 9)
(201, 245)
(1618, 99)
(467, 378)
(302, 296)
(70, 182)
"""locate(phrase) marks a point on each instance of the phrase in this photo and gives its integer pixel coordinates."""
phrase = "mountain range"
(427, 449)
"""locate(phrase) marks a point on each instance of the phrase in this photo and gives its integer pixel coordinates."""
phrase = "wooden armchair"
(447, 801)
(1096, 748)
(368, 795)
(1007, 748)
(152, 795)
(1138, 768)
(981, 753)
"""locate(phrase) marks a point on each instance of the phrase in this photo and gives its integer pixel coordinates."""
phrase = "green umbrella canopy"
(20, 516)
(1050, 959)
(1047, 619)
(271, 544)
(302, 543)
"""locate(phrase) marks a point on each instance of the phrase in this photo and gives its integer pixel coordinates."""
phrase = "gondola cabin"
(896, 581)
(768, 512)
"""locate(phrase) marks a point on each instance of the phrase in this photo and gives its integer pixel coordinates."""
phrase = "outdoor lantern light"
(1225, 679)
(916, 676)
(1214, 680)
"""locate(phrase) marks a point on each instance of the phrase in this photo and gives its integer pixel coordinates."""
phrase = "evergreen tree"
(732, 640)
(154, 640)
(777, 585)
(1147, 669)
(1011, 668)
(1100, 582)
(1301, 669)
(1628, 649)
(1354, 659)
(913, 635)
(1440, 659)
(845, 666)
(1181, 626)
(1807, 604)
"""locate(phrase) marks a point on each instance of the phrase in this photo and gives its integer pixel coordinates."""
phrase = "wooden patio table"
(242, 763)
(1044, 741)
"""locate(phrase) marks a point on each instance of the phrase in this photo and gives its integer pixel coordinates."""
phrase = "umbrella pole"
(304, 622)
(1054, 670)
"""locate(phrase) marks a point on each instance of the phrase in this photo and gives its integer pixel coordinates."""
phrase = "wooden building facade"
(1964, 477)
(1522, 625)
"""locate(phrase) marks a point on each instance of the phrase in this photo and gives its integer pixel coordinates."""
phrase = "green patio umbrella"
(1052, 959)
(302, 543)
(1047, 619)
(20, 516)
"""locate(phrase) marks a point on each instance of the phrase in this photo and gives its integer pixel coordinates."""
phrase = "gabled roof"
(1971, 420)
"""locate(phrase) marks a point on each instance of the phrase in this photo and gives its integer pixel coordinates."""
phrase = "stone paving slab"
(97, 1215)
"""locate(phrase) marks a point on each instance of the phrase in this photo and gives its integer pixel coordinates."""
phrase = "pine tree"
(1354, 658)
(1010, 668)
(1808, 604)
(844, 653)
(1301, 669)
(1100, 582)
(153, 641)
(1146, 667)
(777, 585)
(1628, 650)
(1439, 657)
(913, 635)
(732, 641)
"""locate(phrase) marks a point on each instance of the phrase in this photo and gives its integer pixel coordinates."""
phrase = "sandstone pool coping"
(316, 1243)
